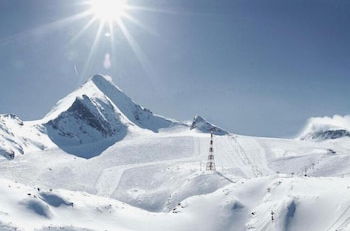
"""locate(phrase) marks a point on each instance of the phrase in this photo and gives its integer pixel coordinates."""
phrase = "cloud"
(320, 124)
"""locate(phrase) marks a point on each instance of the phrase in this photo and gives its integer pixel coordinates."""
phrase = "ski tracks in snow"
(109, 179)
(343, 221)
(239, 150)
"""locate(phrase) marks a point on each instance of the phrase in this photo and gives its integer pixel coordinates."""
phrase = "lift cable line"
(210, 165)
(245, 157)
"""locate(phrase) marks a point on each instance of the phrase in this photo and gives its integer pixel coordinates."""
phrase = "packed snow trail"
(231, 152)
(109, 179)
(342, 221)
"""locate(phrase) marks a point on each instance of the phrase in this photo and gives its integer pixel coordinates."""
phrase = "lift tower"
(211, 162)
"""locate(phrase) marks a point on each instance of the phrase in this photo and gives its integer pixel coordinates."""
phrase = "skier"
(272, 217)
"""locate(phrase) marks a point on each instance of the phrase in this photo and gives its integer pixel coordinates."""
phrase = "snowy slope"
(125, 168)
(150, 172)
(18, 137)
(241, 205)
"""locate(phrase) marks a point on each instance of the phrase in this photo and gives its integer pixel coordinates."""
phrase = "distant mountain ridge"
(326, 128)
(201, 124)
(99, 114)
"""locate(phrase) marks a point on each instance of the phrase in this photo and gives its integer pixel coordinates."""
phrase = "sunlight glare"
(108, 10)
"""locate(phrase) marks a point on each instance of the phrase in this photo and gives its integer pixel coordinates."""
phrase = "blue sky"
(250, 66)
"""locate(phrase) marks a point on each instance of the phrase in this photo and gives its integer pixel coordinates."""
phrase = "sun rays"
(110, 16)
(108, 21)
(108, 10)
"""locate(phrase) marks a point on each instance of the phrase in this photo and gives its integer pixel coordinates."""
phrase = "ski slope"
(125, 168)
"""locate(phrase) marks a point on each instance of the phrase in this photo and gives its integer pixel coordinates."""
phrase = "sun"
(108, 10)
(112, 18)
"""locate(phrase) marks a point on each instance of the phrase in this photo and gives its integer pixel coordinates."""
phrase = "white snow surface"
(99, 161)
(18, 137)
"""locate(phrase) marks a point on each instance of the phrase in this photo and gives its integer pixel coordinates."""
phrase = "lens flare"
(108, 10)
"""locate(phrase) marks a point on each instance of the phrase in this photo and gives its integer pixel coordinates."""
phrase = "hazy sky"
(256, 67)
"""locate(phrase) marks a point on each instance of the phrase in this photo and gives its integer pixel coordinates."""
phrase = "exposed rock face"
(329, 134)
(136, 114)
(98, 113)
(83, 123)
(326, 128)
(87, 120)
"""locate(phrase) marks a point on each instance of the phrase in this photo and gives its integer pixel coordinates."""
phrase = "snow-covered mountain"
(84, 123)
(324, 128)
(103, 101)
(98, 113)
(99, 161)
(199, 123)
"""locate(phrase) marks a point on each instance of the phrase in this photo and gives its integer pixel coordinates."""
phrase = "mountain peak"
(100, 88)
(96, 112)
(203, 125)
(324, 128)
(102, 80)
(100, 77)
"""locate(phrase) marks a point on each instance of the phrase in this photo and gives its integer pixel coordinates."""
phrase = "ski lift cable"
(255, 169)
